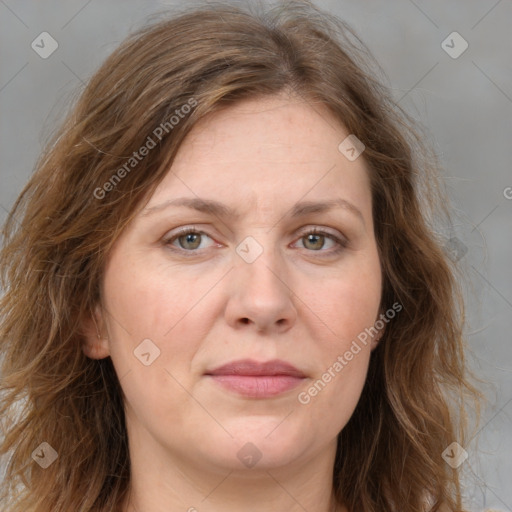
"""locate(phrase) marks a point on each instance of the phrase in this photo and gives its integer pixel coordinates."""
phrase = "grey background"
(466, 104)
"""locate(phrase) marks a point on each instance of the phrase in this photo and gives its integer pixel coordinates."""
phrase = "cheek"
(343, 358)
(154, 328)
(347, 307)
(348, 317)
(347, 304)
(146, 313)
(149, 300)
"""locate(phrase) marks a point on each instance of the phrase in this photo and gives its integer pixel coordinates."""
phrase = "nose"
(261, 296)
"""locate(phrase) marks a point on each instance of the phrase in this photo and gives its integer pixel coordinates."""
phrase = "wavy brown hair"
(59, 232)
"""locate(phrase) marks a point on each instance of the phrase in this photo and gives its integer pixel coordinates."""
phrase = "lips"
(257, 380)
(253, 368)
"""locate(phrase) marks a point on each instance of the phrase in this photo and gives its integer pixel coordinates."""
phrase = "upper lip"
(254, 368)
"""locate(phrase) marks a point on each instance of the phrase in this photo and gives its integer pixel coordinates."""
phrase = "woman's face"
(251, 289)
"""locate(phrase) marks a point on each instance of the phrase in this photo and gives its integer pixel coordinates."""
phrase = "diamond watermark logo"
(454, 455)
(351, 147)
(249, 249)
(44, 455)
(44, 45)
(455, 249)
(454, 45)
(249, 455)
(146, 352)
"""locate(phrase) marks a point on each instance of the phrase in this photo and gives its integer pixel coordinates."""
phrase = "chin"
(259, 443)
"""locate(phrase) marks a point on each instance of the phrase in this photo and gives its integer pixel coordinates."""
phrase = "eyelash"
(341, 243)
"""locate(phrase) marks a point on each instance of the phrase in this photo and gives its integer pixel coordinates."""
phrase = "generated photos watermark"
(151, 142)
(363, 337)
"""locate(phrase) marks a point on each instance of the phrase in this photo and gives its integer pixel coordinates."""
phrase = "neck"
(160, 486)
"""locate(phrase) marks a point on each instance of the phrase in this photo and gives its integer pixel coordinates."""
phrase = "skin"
(298, 301)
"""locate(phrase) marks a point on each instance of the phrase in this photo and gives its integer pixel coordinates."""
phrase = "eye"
(315, 240)
(189, 239)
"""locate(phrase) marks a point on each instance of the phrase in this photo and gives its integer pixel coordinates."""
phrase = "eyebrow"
(221, 210)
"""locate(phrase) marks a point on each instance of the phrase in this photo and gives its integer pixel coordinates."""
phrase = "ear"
(375, 341)
(94, 346)
(380, 325)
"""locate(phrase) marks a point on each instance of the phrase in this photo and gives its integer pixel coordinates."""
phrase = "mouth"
(257, 380)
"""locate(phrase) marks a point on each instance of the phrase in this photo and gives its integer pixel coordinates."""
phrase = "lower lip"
(257, 386)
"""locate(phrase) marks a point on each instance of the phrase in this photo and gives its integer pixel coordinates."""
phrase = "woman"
(222, 289)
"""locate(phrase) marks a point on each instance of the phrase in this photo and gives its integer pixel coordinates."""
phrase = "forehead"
(262, 153)
(276, 128)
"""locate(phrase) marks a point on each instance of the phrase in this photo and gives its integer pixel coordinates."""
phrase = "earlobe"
(96, 348)
(94, 344)
(376, 339)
